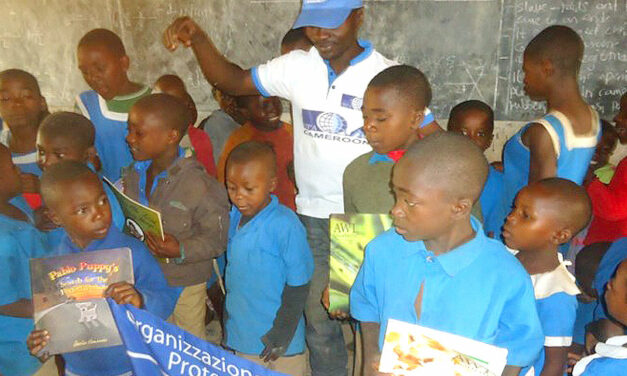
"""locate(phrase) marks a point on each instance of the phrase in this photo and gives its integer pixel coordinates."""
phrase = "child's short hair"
(559, 44)
(170, 110)
(22, 75)
(452, 162)
(586, 265)
(60, 173)
(408, 81)
(71, 126)
(253, 151)
(472, 104)
(103, 37)
(295, 39)
(575, 207)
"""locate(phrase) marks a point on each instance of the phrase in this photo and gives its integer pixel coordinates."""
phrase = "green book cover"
(350, 233)
(138, 219)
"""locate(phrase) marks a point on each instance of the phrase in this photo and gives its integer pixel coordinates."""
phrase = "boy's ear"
(274, 181)
(462, 208)
(562, 236)
(418, 118)
(125, 62)
(53, 217)
(360, 17)
(547, 67)
(174, 136)
(91, 156)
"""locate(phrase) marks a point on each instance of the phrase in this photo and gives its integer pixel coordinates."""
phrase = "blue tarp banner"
(156, 347)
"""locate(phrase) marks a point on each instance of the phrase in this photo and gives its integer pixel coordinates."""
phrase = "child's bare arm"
(511, 371)
(124, 293)
(218, 71)
(370, 348)
(542, 160)
(554, 361)
(21, 308)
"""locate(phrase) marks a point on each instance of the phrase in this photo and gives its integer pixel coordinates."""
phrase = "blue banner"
(156, 347)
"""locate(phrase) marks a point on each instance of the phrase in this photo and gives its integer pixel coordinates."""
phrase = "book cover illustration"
(138, 219)
(413, 350)
(349, 234)
(68, 298)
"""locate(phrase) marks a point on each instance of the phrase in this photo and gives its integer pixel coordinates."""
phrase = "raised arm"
(216, 68)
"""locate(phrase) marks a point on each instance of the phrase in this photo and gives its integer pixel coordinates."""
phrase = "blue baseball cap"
(326, 14)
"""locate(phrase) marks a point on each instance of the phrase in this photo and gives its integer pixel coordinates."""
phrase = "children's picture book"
(138, 219)
(349, 234)
(414, 350)
(68, 298)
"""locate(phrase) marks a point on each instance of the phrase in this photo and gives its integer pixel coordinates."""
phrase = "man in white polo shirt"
(326, 86)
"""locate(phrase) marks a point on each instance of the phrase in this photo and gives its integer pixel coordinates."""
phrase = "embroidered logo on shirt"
(352, 102)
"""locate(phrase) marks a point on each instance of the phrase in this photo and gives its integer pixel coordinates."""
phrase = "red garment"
(609, 204)
(395, 155)
(201, 143)
(282, 140)
(32, 199)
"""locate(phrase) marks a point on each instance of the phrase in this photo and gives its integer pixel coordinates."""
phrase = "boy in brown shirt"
(194, 206)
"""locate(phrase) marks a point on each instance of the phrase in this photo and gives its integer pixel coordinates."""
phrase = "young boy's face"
(102, 69)
(534, 80)
(20, 102)
(249, 185)
(422, 210)
(264, 113)
(147, 137)
(621, 120)
(85, 213)
(604, 150)
(390, 123)
(616, 294)
(10, 184)
(476, 125)
(53, 149)
(531, 224)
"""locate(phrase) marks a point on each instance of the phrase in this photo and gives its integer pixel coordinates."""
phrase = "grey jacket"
(195, 209)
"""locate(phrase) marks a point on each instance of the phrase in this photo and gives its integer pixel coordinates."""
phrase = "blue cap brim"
(323, 18)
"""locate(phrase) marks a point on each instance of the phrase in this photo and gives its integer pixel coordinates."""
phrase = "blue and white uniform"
(477, 290)
(610, 359)
(573, 156)
(556, 300)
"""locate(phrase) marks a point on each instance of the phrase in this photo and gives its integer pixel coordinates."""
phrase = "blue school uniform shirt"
(556, 301)
(265, 254)
(111, 131)
(159, 299)
(573, 157)
(610, 359)
(26, 162)
(489, 199)
(19, 241)
(607, 267)
(477, 290)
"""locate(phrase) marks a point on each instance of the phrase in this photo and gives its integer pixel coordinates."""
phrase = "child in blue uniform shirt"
(563, 141)
(611, 356)
(475, 119)
(19, 241)
(104, 64)
(269, 265)
(545, 215)
(67, 136)
(86, 216)
(436, 267)
(22, 107)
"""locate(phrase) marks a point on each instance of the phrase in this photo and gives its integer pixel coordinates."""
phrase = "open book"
(350, 233)
(68, 298)
(138, 219)
(413, 350)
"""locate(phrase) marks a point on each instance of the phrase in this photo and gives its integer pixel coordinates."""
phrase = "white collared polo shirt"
(328, 124)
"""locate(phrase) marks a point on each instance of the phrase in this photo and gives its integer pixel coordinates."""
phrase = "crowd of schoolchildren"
(527, 253)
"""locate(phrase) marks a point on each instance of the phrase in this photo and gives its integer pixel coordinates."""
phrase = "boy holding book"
(85, 215)
(436, 267)
(193, 205)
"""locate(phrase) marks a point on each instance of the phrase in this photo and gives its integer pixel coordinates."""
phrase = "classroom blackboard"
(468, 49)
